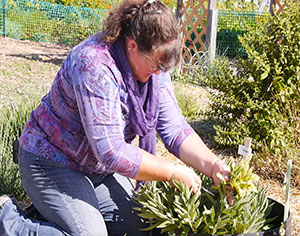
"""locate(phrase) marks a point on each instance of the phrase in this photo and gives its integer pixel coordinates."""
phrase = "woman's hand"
(219, 166)
(187, 176)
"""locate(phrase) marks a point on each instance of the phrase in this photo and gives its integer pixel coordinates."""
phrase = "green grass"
(12, 121)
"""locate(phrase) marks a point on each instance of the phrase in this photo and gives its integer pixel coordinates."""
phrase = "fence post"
(3, 16)
(178, 10)
(211, 29)
(272, 6)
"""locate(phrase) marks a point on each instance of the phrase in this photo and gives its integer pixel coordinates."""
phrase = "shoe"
(33, 213)
(4, 199)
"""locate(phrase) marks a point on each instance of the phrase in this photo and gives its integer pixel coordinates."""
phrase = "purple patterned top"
(83, 121)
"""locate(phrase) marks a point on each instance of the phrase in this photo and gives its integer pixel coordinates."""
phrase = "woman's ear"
(131, 45)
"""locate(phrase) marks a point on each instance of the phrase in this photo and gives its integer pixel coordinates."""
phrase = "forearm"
(154, 168)
(196, 154)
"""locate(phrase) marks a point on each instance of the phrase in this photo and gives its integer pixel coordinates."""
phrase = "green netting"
(230, 25)
(44, 21)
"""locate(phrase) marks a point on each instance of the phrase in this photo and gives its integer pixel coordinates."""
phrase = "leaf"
(264, 75)
(153, 226)
(147, 215)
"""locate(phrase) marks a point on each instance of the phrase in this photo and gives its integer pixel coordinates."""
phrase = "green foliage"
(43, 21)
(242, 5)
(242, 178)
(177, 208)
(102, 4)
(12, 121)
(188, 104)
(259, 97)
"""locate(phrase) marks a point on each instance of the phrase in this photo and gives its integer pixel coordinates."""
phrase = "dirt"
(26, 66)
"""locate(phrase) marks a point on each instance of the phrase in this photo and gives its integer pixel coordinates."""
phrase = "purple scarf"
(144, 100)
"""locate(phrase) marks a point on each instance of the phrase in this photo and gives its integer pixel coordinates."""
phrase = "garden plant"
(173, 207)
(258, 96)
(12, 120)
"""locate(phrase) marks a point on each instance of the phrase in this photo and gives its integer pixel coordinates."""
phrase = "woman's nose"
(157, 72)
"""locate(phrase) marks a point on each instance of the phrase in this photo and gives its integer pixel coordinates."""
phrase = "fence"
(231, 25)
(44, 21)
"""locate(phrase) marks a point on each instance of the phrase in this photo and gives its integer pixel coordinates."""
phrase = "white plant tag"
(244, 150)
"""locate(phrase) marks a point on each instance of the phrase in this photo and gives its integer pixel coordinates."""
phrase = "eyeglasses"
(153, 67)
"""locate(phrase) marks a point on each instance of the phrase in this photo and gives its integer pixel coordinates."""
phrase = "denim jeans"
(73, 203)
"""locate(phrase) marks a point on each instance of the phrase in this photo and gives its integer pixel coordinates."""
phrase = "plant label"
(244, 150)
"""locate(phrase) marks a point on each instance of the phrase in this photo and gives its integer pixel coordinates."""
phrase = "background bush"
(12, 121)
(259, 97)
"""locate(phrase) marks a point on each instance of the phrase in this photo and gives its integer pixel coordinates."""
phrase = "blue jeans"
(73, 203)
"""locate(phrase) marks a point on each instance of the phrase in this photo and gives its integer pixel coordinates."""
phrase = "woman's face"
(142, 65)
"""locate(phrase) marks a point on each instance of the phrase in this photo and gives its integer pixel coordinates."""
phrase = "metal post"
(272, 7)
(178, 10)
(3, 17)
(211, 29)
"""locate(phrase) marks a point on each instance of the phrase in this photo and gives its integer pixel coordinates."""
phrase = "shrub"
(12, 121)
(259, 97)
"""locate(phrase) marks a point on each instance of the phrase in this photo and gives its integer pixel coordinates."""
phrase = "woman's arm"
(181, 140)
(195, 153)
(155, 168)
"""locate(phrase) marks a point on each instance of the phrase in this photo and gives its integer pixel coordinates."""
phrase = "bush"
(259, 97)
(12, 121)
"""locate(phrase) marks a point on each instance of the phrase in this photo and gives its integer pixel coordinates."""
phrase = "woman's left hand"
(220, 166)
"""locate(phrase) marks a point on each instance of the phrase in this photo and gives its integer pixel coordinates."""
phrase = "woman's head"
(153, 27)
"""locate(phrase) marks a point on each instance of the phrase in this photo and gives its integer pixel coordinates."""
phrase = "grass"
(25, 76)
(12, 120)
(25, 79)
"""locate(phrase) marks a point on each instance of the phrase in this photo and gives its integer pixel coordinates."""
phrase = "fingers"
(197, 183)
(230, 195)
(188, 177)
(223, 169)
(220, 166)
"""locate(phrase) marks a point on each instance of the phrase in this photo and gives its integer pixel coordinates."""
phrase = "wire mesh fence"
(230, 25)
(44, 21)
(49, 22)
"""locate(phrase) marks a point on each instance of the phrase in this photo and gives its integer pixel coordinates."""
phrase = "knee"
(95, 230)
(91, 226)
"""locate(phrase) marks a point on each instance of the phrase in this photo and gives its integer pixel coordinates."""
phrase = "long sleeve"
(172, 126)
(97, 94)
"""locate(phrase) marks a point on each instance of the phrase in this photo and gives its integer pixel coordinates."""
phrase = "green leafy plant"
(259, 97)
(177, 209)
(12, 121)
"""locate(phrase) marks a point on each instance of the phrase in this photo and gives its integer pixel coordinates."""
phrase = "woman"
(76, 151)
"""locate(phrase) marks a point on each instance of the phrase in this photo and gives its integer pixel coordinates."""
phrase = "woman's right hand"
(187, 176)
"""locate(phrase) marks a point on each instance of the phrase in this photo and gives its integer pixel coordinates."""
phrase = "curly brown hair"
(151, 24)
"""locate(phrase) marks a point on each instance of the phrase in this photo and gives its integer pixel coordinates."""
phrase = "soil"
(27, 65)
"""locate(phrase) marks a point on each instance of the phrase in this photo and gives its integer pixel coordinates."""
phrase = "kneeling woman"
(76, 151)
